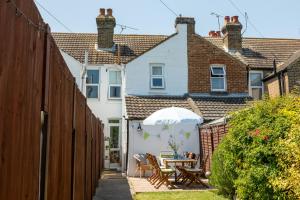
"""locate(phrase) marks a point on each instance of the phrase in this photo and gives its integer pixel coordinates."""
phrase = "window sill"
(114, 99)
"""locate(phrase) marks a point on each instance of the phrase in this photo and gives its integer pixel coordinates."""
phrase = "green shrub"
(259, 158)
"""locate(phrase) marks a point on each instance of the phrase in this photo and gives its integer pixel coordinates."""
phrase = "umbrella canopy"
(173, 115)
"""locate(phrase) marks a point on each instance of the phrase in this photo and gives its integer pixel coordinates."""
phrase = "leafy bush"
(259, 158)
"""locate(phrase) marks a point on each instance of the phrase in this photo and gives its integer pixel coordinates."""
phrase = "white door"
(114, 144)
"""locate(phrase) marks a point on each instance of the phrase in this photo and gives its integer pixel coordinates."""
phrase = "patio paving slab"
(139, 185)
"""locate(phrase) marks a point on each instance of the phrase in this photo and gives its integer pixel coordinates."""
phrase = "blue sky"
(276, 18)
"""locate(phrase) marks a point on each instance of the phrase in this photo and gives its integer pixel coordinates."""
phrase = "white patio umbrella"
(173, 115)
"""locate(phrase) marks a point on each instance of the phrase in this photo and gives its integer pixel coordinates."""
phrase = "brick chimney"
(232, 31)
(105, 25)
(190, 21)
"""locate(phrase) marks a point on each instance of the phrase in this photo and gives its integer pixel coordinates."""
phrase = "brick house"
(132, 76)
(285, 77)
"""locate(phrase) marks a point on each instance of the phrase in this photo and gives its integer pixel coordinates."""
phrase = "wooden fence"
(51, 144)
(210, 137)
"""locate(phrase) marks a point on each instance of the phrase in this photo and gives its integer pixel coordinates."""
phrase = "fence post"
(212, 140)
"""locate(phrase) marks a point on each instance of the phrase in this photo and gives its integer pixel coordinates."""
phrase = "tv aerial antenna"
(123, 27)
(218, 16)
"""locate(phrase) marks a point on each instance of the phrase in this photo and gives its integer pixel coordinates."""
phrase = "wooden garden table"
(175, 161)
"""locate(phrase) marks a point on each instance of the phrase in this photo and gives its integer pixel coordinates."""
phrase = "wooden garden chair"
(193, 175)
(141, 164)
(161, 175)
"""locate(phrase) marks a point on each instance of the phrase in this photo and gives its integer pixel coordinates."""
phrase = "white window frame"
(224, 78)
(162, 76)
(93, 84)
(256, 87)
(114, 85)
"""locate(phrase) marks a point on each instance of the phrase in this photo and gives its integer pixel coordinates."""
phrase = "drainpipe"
(84, 66)
(126, 167)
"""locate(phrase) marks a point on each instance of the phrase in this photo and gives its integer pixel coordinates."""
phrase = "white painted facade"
(172, 55)
(75, 67)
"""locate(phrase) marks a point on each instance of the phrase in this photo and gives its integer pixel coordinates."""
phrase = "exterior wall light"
(139, 128)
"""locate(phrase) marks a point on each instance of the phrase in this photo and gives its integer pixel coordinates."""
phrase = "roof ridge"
(77, 33)
(256, 38)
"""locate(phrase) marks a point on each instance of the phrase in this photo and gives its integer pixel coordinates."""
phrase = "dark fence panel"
(88, 154)
(21, 68)
(80, 147)
(210, 137)
(60, 119)
(50, 142)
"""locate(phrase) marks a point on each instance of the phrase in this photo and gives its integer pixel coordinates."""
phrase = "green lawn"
(185, 195)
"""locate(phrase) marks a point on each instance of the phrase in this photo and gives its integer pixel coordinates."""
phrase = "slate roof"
(131, 46)
(212, 108)
(260, 52)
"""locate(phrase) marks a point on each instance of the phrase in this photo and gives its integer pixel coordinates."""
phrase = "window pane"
(114, 121)
(157, 82)
(114, 137)
(218, 71)
(257, 93)
(115, 91)
(157, 70)
(256, 79)
(217, 83)
(92, 91)
(92, 76)
(114, 77)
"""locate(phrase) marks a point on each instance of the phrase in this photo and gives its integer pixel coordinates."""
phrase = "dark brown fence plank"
(35, 78)
(21, 69)
(80, 146)
(58, 175)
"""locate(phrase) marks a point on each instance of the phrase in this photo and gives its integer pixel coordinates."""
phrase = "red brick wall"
(201, 54)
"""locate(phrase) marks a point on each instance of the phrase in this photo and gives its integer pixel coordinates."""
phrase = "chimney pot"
(102, 12)
(109, 12)
(235, 19)
(211, 33)
(227, 19)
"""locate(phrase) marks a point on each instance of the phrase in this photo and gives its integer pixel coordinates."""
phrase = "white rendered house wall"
(74, 66)
(104, 107)
(172, 55)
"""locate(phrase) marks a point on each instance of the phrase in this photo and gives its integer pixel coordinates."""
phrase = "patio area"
(140, 185)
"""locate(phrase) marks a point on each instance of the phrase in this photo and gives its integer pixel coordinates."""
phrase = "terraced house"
(130, 76)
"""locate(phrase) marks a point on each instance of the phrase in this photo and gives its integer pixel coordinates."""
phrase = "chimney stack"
(105, 25)
(232, 31)
(189, 21)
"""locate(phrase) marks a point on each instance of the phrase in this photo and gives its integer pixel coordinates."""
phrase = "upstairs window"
(115, 82)
(256, 84)
(218, 78)
(157, 77)
(92, 84)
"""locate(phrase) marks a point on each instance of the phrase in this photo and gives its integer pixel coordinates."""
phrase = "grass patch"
(184, 195)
